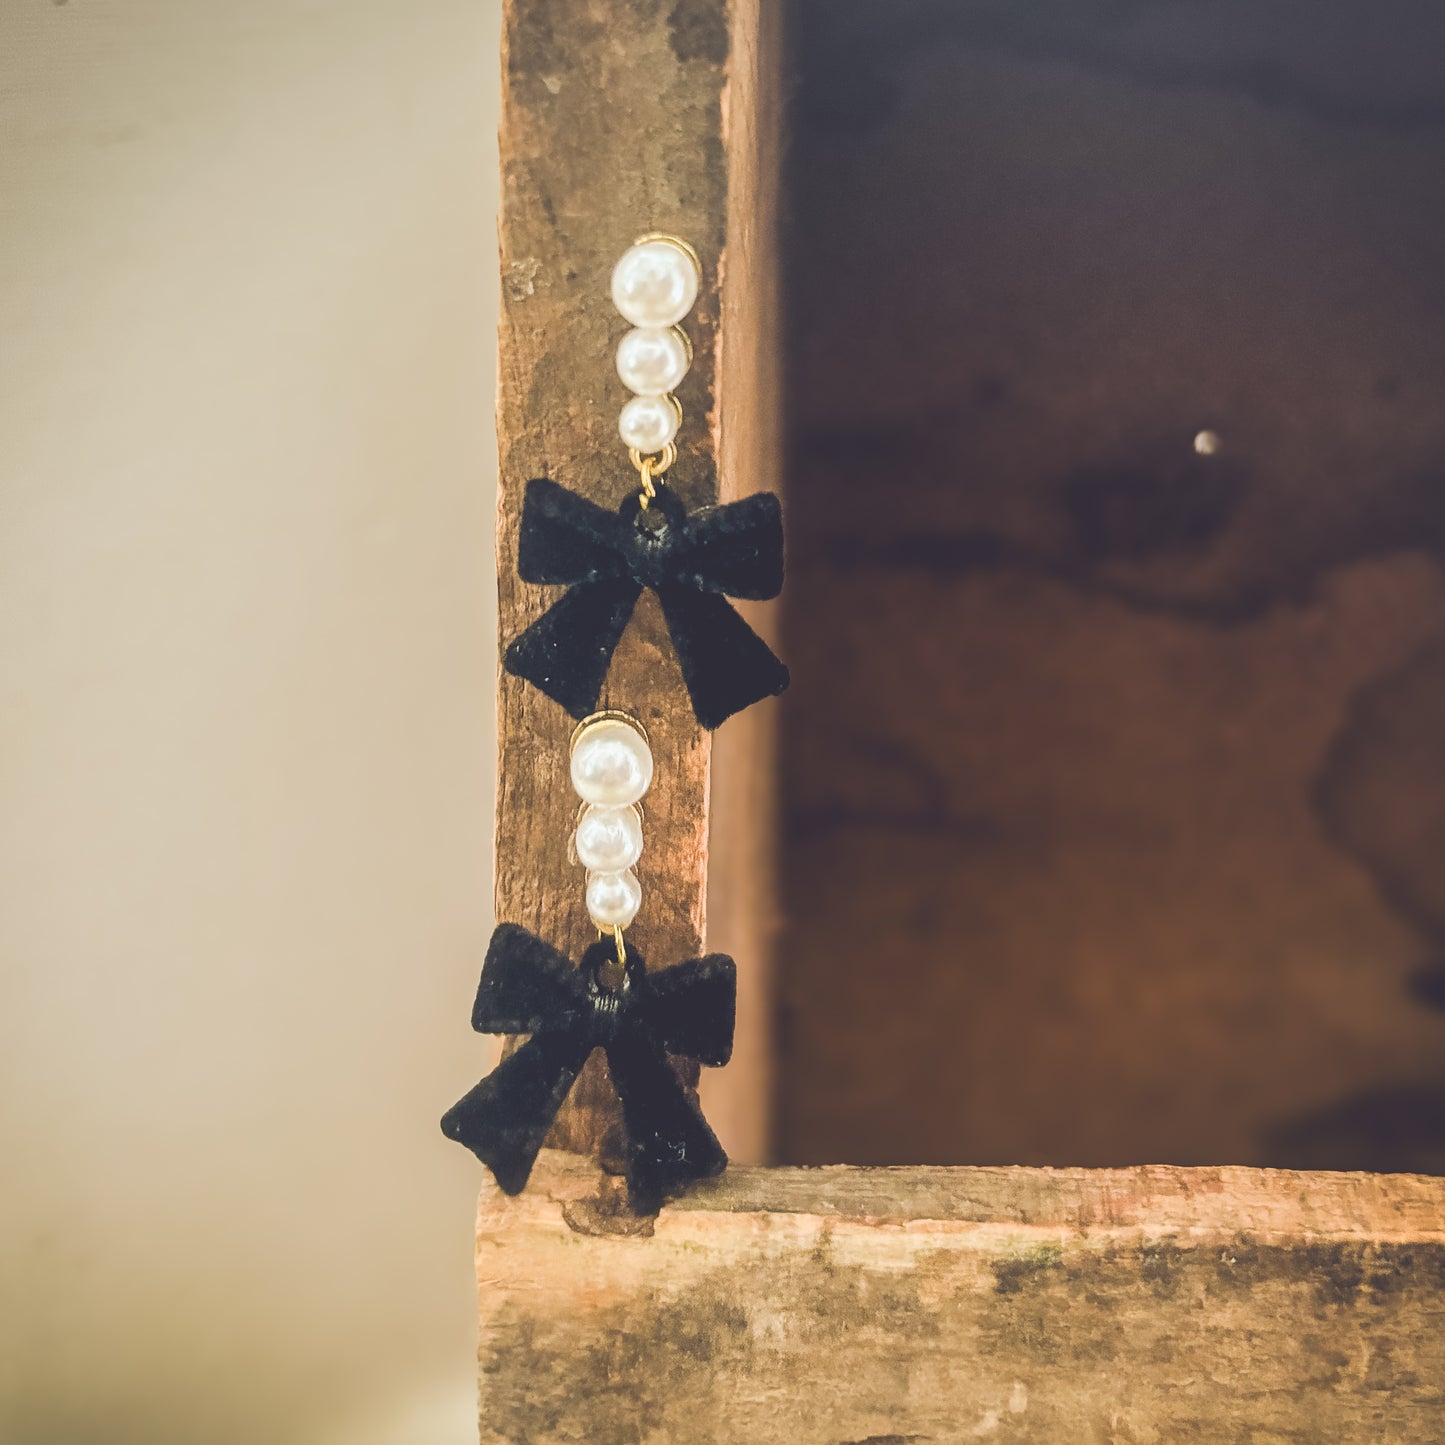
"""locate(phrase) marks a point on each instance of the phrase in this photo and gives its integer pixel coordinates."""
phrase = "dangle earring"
(693, 561)
(609, 1000)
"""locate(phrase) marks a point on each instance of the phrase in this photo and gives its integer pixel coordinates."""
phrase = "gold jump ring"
(649, 467)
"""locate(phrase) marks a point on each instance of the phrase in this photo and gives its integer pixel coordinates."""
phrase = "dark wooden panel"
(1115, 773)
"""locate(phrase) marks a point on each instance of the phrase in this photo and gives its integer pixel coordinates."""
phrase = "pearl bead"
(649, 422)
(611, 764)
(652, 360)
(613, 898)
(609, 839)
(655, 283)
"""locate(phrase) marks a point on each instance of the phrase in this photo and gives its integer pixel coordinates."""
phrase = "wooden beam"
(618, 120)
(818, 1306)
(742, 889)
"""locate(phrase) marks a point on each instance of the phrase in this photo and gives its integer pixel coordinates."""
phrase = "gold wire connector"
(651, 466)
(619, 962)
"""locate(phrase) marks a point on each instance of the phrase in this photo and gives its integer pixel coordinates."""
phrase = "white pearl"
(613, 898)
(649, 422)
(652, 360)
(609, 839)
(655, 283)
(611, 764)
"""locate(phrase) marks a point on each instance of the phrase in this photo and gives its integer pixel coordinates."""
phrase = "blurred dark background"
(1115, 759)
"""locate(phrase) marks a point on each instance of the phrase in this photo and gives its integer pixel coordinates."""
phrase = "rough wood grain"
(823, 1306)
(616, 120)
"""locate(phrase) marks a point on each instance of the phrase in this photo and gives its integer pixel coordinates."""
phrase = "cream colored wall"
(246, 617)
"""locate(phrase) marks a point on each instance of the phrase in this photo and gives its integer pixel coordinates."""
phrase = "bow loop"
(692, 1008)
(566, 538)
(736, 549)
(526, 986)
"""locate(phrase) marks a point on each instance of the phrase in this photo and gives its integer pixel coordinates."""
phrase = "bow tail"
(726, 665)
(669, 1143)
(505, 1119)
(566, 652)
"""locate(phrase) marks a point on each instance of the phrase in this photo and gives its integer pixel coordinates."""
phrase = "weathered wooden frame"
(828, 1305)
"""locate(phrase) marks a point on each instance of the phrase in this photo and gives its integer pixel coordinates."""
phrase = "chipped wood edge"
(1275, 1205)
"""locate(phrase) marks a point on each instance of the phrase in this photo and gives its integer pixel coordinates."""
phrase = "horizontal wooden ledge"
(1151, 1199)
(847, 1306)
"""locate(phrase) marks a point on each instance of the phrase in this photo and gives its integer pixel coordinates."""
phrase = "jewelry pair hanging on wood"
(694, 561)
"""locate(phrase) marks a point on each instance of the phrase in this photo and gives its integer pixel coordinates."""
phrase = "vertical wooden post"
(618, 120)
(742, 869)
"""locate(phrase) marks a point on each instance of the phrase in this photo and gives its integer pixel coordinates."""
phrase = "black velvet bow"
(690, 561)
(528, 987)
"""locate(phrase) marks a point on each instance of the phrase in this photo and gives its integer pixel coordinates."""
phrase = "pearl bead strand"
(611, 769)
(654, 286)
